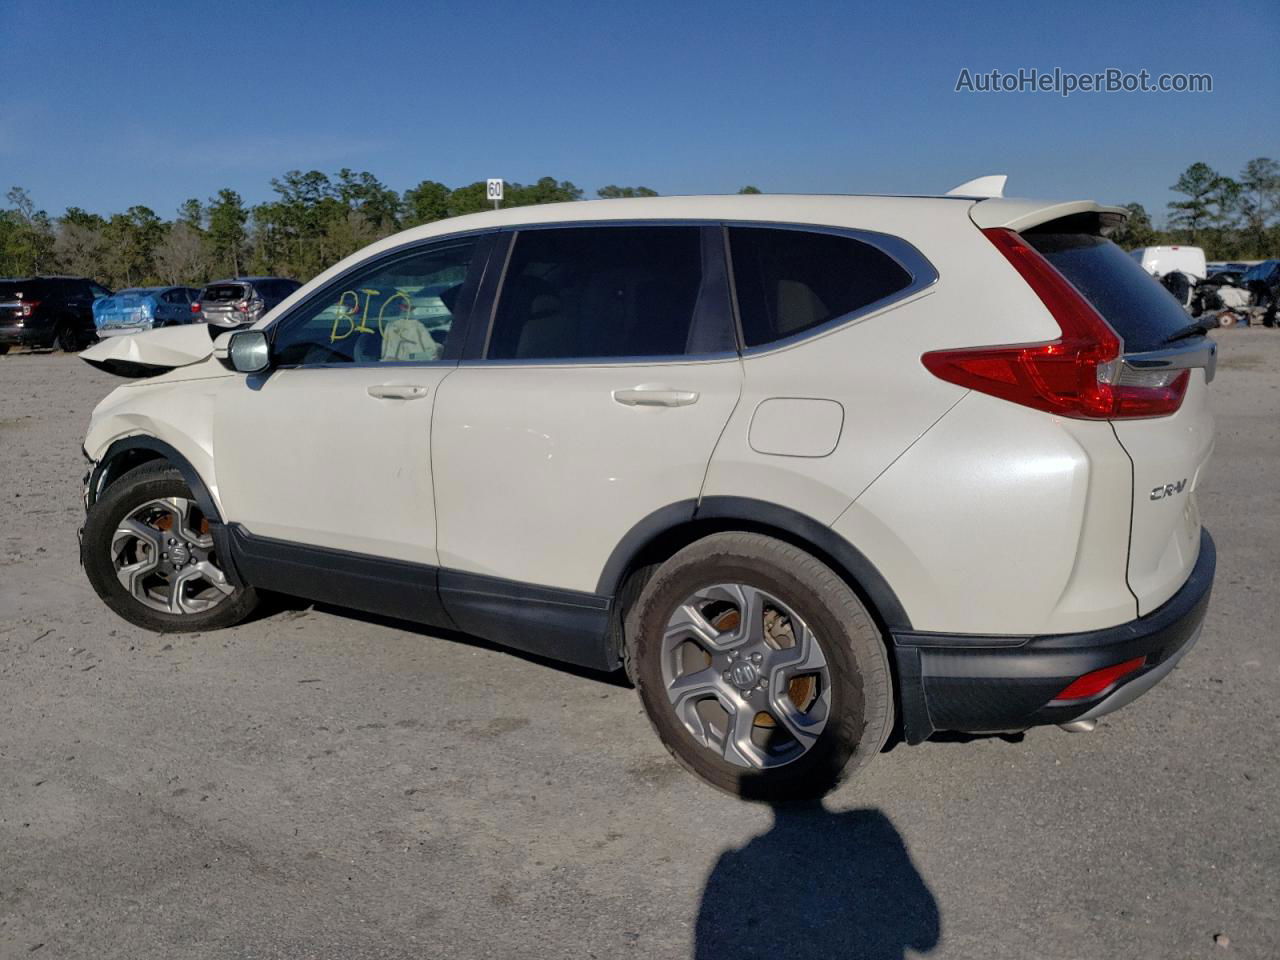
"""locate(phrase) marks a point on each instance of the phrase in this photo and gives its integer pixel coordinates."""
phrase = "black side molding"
(565, 625)
(717, 513)
(393, 588)
(562, 624)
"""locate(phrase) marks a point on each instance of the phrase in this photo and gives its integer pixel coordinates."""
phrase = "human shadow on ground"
(817, 885)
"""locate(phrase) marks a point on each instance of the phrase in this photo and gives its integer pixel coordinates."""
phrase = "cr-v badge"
(1168, 490)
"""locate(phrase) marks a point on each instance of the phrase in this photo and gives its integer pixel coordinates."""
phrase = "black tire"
(150, 481)
(860, 715)
(4, 348)
(66, 338)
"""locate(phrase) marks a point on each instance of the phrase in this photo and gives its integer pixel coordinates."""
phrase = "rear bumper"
(985, 684)
(14, 335)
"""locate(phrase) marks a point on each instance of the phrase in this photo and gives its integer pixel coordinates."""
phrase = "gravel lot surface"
(317, 785)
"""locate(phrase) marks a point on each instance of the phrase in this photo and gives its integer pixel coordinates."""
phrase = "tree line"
(1232, 218)
(315, 219)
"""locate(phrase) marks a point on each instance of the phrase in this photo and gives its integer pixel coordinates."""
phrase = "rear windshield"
(1136, 305)
(223, 293)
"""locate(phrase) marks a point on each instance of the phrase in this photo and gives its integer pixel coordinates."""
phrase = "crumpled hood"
(152, 352)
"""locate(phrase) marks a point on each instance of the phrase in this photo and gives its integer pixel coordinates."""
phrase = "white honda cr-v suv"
(806, 467)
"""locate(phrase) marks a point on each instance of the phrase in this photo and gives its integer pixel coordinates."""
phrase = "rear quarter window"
(1135, 304)
(790, 281)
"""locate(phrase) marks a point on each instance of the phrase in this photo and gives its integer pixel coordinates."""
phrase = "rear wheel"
(759, 668)
(149, 555)
(67, 339)
(4, 348)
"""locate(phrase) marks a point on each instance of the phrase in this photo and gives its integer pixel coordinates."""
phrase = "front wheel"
(759, 668)
(149, 555)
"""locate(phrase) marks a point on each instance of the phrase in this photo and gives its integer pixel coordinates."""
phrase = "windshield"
(1134, 303)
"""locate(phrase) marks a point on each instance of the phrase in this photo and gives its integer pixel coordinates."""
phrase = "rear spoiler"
(1078, 216)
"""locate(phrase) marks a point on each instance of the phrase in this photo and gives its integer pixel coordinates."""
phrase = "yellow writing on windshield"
(350, 312)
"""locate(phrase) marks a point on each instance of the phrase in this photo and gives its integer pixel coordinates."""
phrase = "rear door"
(1168, 452)
(609, 373)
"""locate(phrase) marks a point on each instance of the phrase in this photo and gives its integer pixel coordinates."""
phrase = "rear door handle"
(397, 391)
(652, 397)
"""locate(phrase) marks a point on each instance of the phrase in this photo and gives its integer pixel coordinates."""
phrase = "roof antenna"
(990, 186)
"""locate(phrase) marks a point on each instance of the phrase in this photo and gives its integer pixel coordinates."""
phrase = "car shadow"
(817, 884)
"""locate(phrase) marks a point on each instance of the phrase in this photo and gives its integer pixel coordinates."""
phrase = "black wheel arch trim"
(716, 510)
(164, 451)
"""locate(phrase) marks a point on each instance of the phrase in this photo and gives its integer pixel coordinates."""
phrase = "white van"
(1162, 260)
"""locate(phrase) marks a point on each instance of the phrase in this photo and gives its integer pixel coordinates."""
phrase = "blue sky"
(105, 105)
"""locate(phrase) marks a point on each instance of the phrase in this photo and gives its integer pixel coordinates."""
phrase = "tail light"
(242, 306)
(1081, 375)
(29, 307)
(1092, 684)
(195, 307)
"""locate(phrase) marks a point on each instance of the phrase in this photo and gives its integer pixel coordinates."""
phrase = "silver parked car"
(242, 300)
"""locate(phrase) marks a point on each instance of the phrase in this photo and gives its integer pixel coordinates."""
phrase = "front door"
(331, 449)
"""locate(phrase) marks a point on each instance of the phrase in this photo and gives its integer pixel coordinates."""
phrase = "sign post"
(495, 191)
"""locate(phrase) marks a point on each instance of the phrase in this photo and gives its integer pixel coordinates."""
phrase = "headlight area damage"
(153, 352)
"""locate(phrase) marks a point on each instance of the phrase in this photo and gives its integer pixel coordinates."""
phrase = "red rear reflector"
(1092, 684)
(195, 308)
(1078, 375)
(29, 307)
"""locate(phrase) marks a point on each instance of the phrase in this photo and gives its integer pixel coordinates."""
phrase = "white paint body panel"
(310, 456)
(796, 427)
(1002, 520)
(540, 472)
(1166, 531)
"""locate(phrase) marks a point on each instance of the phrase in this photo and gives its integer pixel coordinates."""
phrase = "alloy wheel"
(746, 675)
(163, 554)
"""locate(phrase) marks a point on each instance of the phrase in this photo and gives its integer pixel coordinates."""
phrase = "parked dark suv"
(44, 311)
(244, 300)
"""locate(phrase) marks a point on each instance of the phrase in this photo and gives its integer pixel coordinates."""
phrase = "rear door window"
(789, 281)
(585, 293)
(1136, 305)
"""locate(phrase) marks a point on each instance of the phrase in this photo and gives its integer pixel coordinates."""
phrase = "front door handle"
(397, 391)
(652, 397)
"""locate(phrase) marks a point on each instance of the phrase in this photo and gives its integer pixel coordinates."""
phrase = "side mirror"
(249, 351)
